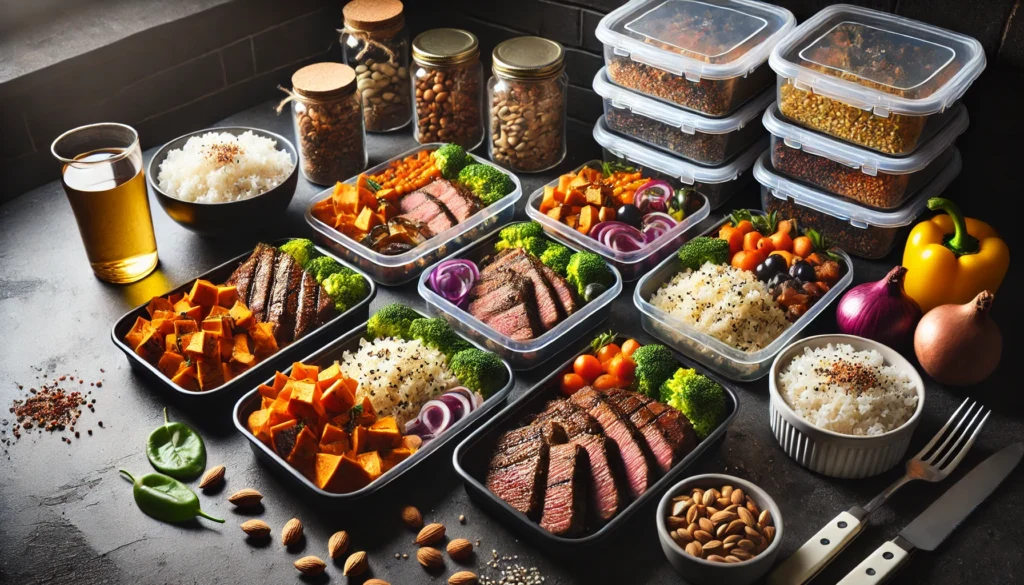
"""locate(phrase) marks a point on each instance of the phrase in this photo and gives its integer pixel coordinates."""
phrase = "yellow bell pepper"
(950, 258)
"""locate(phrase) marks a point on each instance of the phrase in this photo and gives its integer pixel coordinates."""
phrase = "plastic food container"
(720, 357)
(861, 175)
(708, 141)
(705, 56)
(631, 265)
(717, 184)
(404, 267)
(521, 355)
(872, 78)
(324, 357)
(251, 377)
(861, 231)
(474, 453)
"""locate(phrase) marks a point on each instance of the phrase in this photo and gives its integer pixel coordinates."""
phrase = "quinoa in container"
(872, 78)
(861, 175)
(861, 231)
(447, 87)
(706, 56)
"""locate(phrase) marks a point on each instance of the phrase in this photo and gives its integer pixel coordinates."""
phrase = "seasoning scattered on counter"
(449, 80)
(511, 572)
(376, 45)
(52, 407)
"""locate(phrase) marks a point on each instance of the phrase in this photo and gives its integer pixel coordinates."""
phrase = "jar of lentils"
(328, 122)
(376, 45)
(447, 87)
(527, 104)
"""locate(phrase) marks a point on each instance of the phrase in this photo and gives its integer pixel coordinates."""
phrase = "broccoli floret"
(588, 268)
(704, 249)
(450, 159)
(438, 334)
(528, 235)
(391, 321)
(557, 257)
(700, 398)
(654, 364)
(478, 370)
(301, 249)
(487, 182)
(322, 267)
(346, 288)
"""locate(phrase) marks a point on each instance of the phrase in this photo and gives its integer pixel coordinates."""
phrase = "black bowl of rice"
(220, 181)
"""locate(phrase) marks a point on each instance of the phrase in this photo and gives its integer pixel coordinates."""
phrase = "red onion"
(655, 225)
(653, 196)
(458, 403)
(436, 416)
(453, 279)
(618, 236)
(881, 311)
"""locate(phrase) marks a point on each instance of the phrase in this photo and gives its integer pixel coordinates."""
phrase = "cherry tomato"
(622, 368)
(571, 383)
(750, 240)
(608, 352)
(735, 240)
(607, 381)
(629, 347)
(802, 246)
(766, 245)
(748, 259)
(782, 241)
(588, 367)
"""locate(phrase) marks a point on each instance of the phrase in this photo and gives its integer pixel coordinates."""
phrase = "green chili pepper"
(176, 450)
(166, 498)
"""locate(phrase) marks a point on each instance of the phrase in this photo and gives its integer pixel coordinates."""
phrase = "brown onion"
(959, 345)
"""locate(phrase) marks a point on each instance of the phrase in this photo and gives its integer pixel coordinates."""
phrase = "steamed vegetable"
(450, 159)
(346, 288)
(703, 249)
(586, 268)
(391, 320)
(527, 235)
(880, 310)
(453, 279)
(959, 345)
(301, 249)
(487, 182)
(480, 371)
(654, 364)
(700, 398)
(557, 257)
(322, 267)
(438, 334)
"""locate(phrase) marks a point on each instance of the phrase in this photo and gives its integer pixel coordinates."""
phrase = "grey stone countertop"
(68, 517)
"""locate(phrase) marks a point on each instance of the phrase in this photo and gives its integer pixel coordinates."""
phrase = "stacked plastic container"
(863, 128)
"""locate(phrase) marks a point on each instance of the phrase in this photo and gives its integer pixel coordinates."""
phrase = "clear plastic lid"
(709, 39)
(870, 162)
(878, 61)
(859, 216)
(687, 121)
(686, 171)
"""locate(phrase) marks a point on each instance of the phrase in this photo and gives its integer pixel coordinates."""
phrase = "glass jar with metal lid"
(328, 122)
(447, 86)
(527, 104)
(376, 44)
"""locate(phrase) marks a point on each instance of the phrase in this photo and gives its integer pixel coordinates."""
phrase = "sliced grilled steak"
(262, 283)
(305, 317)
(460, 203)
(428, 210)
(676, 428)
(523, 443)
(284, 297)
(518, 470)
(619, 429)
(548, 308)
(325, 310)
(242, 277)
(513, 290)
(574, 420)
(566, 494)
(563, 292)
(518, 323)
(631, 405)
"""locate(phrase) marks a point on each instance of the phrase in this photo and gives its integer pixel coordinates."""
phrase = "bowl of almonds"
(719, 529)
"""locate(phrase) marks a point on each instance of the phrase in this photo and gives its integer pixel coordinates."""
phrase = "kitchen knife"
(928, 530)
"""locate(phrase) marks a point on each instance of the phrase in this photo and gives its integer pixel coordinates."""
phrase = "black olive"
(629, 214)
(802, 270)
(777, 261)
(771, 266)
(592, 291)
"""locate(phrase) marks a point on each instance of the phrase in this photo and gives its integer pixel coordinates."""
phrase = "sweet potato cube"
(218, 311)
(411, 442)
(575, 197)
(203, 293)
(338, 398)
(372, 463)
(558, 213)
(171, 343)
(138, 332)
(588, 219)
(393, 458)
(169, 363)
(263, 340)
(240, 351)
(267, 391)
(305, 402)
(368, 415)
(226, 372)
(367, 219)
(162, 326)
(216, 326)
(241, 314)
(548, 202)
(301, 371)
(182, 306)
(266, 403)
(186, 378)
(196, 313)
(227, 296)
(151, 347)
(383, 435)
(346, 199)
(606, 214)
(581, 180)
(342, 419)
(303, 455)
(161, 314)
(358, 440)
(158, 304)
(340, 474)
(563, 183)
(283, 437)
(209, 373)
(258, 425)
(595, 195)
(280, 380)
(572, 221)
(225, 345)
(329, 375)
(182, 326)
(332, 434)
(202, 344)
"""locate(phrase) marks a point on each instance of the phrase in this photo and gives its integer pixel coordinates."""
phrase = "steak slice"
(518, 322)
(519, 444)
(574, 420)
(325, 310)
(309, 294)
(565, 496)
(459, 202)
(676, 428)
(517, 472)
(490, 281)
(548, 308)
(615, 426)
(630, 404)
(262, 283)
(563, 292)
(428, 210)
(513, 291)
(284, 297)
(242, 277)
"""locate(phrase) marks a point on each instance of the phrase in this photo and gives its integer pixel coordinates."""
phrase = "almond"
(212, 478)
(462, 578)
(292, 532)
(310, 565)
(412, 517)
(356, 564)
(746, 516)
(246, 498)
(430, 558)
(460, 549)
(337, 545)
(431, 534)
(256, 528)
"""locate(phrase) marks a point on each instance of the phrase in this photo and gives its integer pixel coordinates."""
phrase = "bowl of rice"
(224, 180)
(844, 406)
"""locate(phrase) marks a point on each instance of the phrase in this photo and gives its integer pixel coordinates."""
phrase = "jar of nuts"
(376, 45)
(328, 122)
(527, 104)
(447, 84)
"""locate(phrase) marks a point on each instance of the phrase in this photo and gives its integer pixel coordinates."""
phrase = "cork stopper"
(324, 80)
(373, 15)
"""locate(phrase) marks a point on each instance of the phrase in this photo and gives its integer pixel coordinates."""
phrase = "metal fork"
(930, 464)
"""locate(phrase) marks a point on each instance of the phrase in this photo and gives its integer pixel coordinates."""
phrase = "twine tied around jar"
(291, 97)
(369, 42)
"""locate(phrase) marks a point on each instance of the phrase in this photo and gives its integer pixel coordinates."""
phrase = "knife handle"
(817, 552)
(879, 567)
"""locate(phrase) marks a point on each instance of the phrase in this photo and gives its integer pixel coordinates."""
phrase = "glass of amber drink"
(106, 186)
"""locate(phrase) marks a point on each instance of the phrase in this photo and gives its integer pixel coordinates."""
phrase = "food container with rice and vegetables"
(734, 297)
(358, 413)
(872, 78)
(521, 294)
(406, 213)
(862, 231)
(577, 455)
(705, 56)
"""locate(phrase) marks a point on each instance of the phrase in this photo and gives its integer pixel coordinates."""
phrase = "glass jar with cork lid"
(376, 44)
(527, 104)
(447, 87)
(328, 122)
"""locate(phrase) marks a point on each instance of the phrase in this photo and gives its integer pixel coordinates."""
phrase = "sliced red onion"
(458, 403)
(468, 394)
(618, 236)
(436, 416)
(655, 224)
(653, 195)
(453, 279)
(416, 427)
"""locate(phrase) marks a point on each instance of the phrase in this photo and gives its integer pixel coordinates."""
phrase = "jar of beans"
(447, 85)
(328, 122)
(376, 45)
(527, 104)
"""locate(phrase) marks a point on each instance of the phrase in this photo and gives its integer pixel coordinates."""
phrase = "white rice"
(727, 303)
(398, 376)
(217, 167)
(839, 389)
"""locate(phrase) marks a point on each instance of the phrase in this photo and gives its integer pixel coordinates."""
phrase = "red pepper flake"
(50, 407)
(99, 384)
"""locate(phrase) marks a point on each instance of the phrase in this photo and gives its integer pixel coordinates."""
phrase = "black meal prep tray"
(473, 454)
(224, 394)
(249, 403)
